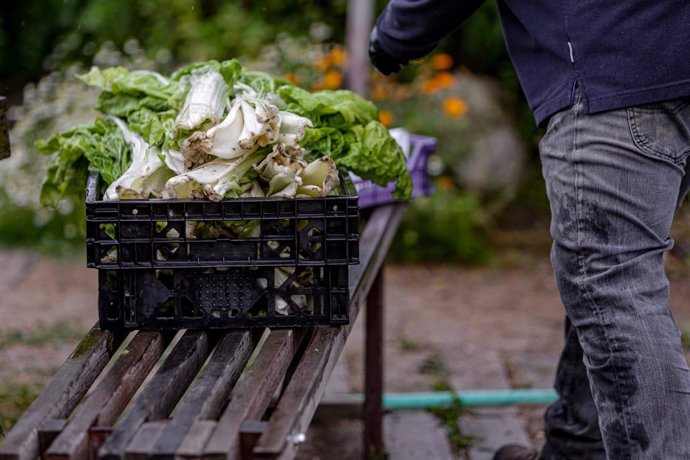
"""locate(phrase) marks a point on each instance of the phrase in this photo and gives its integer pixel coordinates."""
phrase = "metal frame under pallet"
(163, 395)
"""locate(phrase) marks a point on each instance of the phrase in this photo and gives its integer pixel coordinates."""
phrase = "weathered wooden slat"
(296, 408)
(250, 431)
(253, 392)
(373, 246)
(209, 392)
(285, 430)
(193, 444)
(62, 394)
(97, 436)
(145, 439)
(109, 397)
(162, 392)
(48, 431)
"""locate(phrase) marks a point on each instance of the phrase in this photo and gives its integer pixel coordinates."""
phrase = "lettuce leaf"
(99, 147)
(334, 108)
(367, 150)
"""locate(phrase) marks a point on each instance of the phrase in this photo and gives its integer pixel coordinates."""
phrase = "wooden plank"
(145, 439)
(298, 404)
(48, 431)
(97, 436)
(373, 246)
(208, 394)
(162, 393)
(253, 392)
(192, 446)
(110, 396)
(59, 398)
(250, 432)
(287, 425)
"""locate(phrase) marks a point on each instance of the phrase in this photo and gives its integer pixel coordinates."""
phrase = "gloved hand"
(384, 62)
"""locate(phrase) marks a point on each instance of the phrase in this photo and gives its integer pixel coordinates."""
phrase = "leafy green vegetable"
(373, 154)
(231, 70)
(336, 109)
(209, 131)
(97, 147)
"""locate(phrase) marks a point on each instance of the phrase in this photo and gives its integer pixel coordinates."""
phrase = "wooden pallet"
(197, 394)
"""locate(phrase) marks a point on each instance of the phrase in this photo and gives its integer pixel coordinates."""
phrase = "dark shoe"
(516, 452)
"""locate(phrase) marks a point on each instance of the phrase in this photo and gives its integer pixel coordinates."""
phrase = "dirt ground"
(444, 324)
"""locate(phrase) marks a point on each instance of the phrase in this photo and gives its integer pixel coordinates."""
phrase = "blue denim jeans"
(614, 181)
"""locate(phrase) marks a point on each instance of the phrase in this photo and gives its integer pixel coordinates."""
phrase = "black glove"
(384, 62)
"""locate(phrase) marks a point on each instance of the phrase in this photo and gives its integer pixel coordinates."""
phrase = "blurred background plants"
(466, 95)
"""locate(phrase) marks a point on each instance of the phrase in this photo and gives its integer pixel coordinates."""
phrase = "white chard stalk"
(251, 123)
(206, 100)
(213, 180)
(282, 173)
(319, 178)
(147, 174)
(292, 129)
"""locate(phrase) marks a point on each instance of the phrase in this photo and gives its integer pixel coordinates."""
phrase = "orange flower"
(430, 86)
(445, 183)
(291, 77)
(378, 92)
(444, 80)
(332, 80)
(322, 63)
(442, 61)
(338, 56)
(386, 118)
(454, 107)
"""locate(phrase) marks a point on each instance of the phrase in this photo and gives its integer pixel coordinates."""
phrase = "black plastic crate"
(155, 234)
(223, 298)
(289, 268)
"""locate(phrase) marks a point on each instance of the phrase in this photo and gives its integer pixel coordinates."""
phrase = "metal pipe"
(474, 398)
(360, 19)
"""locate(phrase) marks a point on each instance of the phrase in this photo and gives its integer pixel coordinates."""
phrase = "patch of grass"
(433, 365)
(441, 385)
(15, 398)
(449, 416)
(407, 344)
(59, 332)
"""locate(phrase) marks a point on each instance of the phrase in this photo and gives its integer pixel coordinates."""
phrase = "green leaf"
(231, 70)
(336, 109)
(373, 154)
(97, 147)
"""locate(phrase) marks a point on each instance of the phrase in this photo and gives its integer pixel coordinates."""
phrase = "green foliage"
(434, 365)
(408, 344)
(57, 333)
(449, 415)
(59, 232)
(170, 31)
(15, 398)
(447, 226)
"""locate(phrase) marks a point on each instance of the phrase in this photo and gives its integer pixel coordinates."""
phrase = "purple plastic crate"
(421, 148)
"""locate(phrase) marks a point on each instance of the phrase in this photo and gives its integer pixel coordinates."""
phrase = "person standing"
(610, 81)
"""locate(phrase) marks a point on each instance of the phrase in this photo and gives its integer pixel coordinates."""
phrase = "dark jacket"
(620, 53)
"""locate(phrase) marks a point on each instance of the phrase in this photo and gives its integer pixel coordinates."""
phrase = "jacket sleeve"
(411, 29)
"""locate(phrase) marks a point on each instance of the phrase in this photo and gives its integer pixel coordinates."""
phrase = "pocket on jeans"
(662, 130)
